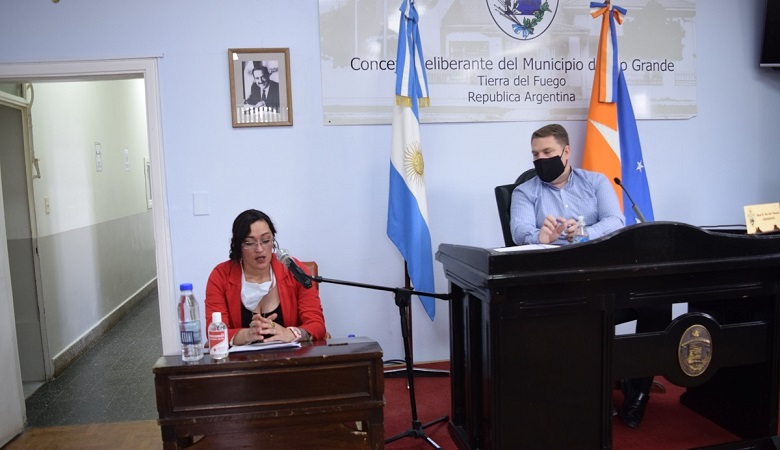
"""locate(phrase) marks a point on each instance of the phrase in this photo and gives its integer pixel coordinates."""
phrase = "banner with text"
(505, 60)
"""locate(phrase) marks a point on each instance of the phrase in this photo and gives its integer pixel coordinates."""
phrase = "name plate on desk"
(763, 218)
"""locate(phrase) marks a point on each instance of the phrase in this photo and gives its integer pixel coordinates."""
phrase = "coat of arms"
(523, 19)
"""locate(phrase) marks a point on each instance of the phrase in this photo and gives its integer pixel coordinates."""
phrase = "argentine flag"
(407, 207)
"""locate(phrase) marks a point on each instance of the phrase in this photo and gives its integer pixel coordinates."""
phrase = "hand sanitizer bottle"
(218, 337)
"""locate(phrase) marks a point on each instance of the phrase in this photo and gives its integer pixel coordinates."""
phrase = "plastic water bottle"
(218, 337)
(581, 235)
(189, 325)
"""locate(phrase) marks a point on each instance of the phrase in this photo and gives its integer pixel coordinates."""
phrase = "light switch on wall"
(200, 204)
(46, 206)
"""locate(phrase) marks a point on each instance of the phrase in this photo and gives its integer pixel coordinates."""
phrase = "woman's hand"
(265, 329)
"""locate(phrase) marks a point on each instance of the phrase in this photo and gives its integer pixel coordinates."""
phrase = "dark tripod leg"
(402, 299)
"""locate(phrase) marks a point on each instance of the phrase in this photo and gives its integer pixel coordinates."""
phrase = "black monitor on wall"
(770, 48)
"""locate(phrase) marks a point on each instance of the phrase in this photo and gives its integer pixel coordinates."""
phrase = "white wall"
(69, 118)
(95, 241)
(326, 187)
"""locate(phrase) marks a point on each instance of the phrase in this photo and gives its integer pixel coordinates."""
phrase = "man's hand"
(553, 227)
(570, 229)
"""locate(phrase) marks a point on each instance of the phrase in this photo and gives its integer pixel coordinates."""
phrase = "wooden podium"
(311, 397)
(533, 348)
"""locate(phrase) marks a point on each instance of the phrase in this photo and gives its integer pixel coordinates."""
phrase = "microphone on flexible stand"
(300, 276)
(634, 206)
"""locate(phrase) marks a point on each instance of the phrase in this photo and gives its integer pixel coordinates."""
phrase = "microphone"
(634, 206)
(300, 276)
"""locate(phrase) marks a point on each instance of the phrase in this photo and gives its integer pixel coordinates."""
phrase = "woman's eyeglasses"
(246, 245)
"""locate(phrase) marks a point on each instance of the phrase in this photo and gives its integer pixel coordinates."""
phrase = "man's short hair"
(554, 130)
(263, 71)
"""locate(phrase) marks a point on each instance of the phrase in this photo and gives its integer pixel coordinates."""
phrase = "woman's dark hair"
(241, 227)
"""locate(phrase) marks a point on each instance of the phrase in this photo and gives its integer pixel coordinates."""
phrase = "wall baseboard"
(65, 358)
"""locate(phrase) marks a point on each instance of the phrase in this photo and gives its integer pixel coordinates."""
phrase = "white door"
(11, 397)
(20, 239)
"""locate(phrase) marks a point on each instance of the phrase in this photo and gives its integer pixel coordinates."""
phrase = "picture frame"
(260, 90)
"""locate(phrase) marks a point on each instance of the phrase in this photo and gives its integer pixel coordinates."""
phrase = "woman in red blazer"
(258, 297)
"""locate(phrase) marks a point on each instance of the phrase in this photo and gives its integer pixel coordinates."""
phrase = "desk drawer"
(273, 388)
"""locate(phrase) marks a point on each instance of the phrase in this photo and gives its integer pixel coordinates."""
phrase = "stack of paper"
(263, 346)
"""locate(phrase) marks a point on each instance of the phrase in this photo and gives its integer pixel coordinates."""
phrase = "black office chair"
(504, 201)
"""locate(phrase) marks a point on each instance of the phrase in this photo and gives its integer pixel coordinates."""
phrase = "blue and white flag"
(407, 207)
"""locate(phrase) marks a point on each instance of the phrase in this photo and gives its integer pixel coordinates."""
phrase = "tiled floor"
(111, 382)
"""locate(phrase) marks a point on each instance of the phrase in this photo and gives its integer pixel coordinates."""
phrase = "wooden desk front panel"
(271, 389)
(277, 398)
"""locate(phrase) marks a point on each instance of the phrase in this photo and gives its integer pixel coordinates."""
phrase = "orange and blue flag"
(407, 209)
(612, 144)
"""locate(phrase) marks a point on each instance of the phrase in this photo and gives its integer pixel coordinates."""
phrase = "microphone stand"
(634, 206)
(398, 373)
(403, 298)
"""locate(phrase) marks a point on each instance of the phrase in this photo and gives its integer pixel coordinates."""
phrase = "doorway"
(145, 68)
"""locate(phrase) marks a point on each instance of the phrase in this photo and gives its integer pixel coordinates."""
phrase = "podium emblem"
(695, 351)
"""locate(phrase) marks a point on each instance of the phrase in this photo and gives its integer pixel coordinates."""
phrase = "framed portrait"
(260, 92)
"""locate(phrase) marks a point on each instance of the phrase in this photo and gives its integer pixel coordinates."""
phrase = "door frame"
(23, 106)
(104, 69)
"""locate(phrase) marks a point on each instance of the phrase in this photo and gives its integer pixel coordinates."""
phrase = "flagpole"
(407, 217)
(407, 207)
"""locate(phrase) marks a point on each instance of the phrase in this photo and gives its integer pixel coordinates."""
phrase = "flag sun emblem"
(414, 166)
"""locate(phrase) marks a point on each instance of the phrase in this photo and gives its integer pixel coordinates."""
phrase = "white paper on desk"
(521, 248)
(263, 346)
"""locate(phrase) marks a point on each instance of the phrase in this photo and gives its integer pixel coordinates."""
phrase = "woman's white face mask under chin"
(252, 293)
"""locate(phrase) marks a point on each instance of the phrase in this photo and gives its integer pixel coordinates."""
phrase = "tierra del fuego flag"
(611, 137)
(407, 208)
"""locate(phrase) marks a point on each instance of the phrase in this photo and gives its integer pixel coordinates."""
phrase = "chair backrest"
(504, 202)
(314, 269)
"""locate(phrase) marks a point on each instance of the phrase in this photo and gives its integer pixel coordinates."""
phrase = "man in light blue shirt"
(544, 209)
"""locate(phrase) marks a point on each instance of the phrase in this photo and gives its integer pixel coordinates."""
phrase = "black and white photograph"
(260, 87)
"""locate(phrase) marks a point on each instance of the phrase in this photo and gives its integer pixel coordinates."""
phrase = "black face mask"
(548, 169)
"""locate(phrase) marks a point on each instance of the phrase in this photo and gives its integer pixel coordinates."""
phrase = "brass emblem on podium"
(695, 351)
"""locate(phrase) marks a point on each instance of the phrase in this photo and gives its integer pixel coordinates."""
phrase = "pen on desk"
(339, 343)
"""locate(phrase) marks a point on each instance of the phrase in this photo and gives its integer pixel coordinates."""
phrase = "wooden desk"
(533, 348)
(327, 394)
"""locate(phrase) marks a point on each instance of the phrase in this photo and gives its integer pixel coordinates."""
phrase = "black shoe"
(634, 409)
